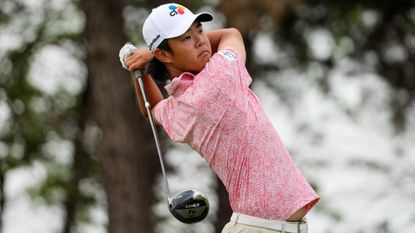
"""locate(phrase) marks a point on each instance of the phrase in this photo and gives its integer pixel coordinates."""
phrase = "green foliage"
(360, 30)
(54, 188)
(39, 121)
(376, 35)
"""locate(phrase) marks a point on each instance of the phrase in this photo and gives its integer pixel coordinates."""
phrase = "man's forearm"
(215, 38)
(227, 37)
(153, 93)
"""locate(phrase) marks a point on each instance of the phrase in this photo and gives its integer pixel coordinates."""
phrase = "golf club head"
(189, 206)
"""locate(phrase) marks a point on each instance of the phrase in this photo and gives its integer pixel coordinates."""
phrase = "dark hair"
(156, 68)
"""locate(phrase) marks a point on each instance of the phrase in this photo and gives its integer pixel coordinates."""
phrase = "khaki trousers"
(239, 227)
(232, 227)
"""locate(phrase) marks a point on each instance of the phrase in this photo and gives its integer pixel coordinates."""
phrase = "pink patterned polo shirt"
(218, 115)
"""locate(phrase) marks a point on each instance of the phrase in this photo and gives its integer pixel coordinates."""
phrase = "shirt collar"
(179, 85)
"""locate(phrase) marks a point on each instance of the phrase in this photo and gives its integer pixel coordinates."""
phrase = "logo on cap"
(154, 41)
(176, 10)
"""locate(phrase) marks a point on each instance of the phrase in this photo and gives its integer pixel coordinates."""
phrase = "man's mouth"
(204, 53)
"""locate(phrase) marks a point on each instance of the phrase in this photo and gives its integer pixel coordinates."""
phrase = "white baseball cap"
(168, 21)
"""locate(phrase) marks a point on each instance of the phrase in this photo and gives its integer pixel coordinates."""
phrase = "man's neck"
(175, 72)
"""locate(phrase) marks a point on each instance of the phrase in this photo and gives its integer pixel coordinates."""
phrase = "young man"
(211, 108)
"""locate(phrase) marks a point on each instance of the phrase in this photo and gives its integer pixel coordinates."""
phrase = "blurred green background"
(336, 78)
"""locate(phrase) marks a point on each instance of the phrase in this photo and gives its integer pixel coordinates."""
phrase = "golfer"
(211, 108)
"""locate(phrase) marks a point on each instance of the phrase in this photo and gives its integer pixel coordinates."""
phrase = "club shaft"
(138, 75)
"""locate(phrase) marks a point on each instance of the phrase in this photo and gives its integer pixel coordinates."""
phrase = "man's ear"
(163, 55)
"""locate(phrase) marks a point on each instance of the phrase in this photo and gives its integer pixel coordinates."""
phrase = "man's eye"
(186, 38)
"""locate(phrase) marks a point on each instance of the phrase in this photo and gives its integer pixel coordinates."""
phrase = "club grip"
(137, 74)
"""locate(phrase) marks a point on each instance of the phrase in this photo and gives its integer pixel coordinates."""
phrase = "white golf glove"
(125, 52)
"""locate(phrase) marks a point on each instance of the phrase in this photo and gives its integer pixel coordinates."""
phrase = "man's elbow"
(153, 117)
(234, 32)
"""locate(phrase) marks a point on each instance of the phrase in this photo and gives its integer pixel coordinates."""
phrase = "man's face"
(191, 51)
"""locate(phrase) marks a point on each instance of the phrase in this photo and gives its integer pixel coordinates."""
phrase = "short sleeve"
(230, 56)
(177, 118)
(163, 112)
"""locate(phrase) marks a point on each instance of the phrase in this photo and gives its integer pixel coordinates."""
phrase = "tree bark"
(2, 197)
(224, 211)
(126, 150)
(82, 167)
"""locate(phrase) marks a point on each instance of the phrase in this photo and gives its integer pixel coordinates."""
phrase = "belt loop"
(283, 228)
(236, 219)
(304, 221)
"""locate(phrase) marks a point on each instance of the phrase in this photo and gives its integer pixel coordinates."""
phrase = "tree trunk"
(224, 210)
(82, 167)
(126, 150)
(2, 197)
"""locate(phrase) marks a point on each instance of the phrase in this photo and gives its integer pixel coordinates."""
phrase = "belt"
(283, 226)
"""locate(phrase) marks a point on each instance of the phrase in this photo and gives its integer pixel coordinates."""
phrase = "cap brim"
(181, 29)
(204, 17)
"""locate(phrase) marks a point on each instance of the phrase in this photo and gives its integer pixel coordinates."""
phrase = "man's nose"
(199, 41)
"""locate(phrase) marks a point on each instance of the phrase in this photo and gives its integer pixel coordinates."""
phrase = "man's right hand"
(138, 60)
(133, 59)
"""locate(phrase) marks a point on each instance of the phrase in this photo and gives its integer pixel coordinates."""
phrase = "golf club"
(189, 206)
